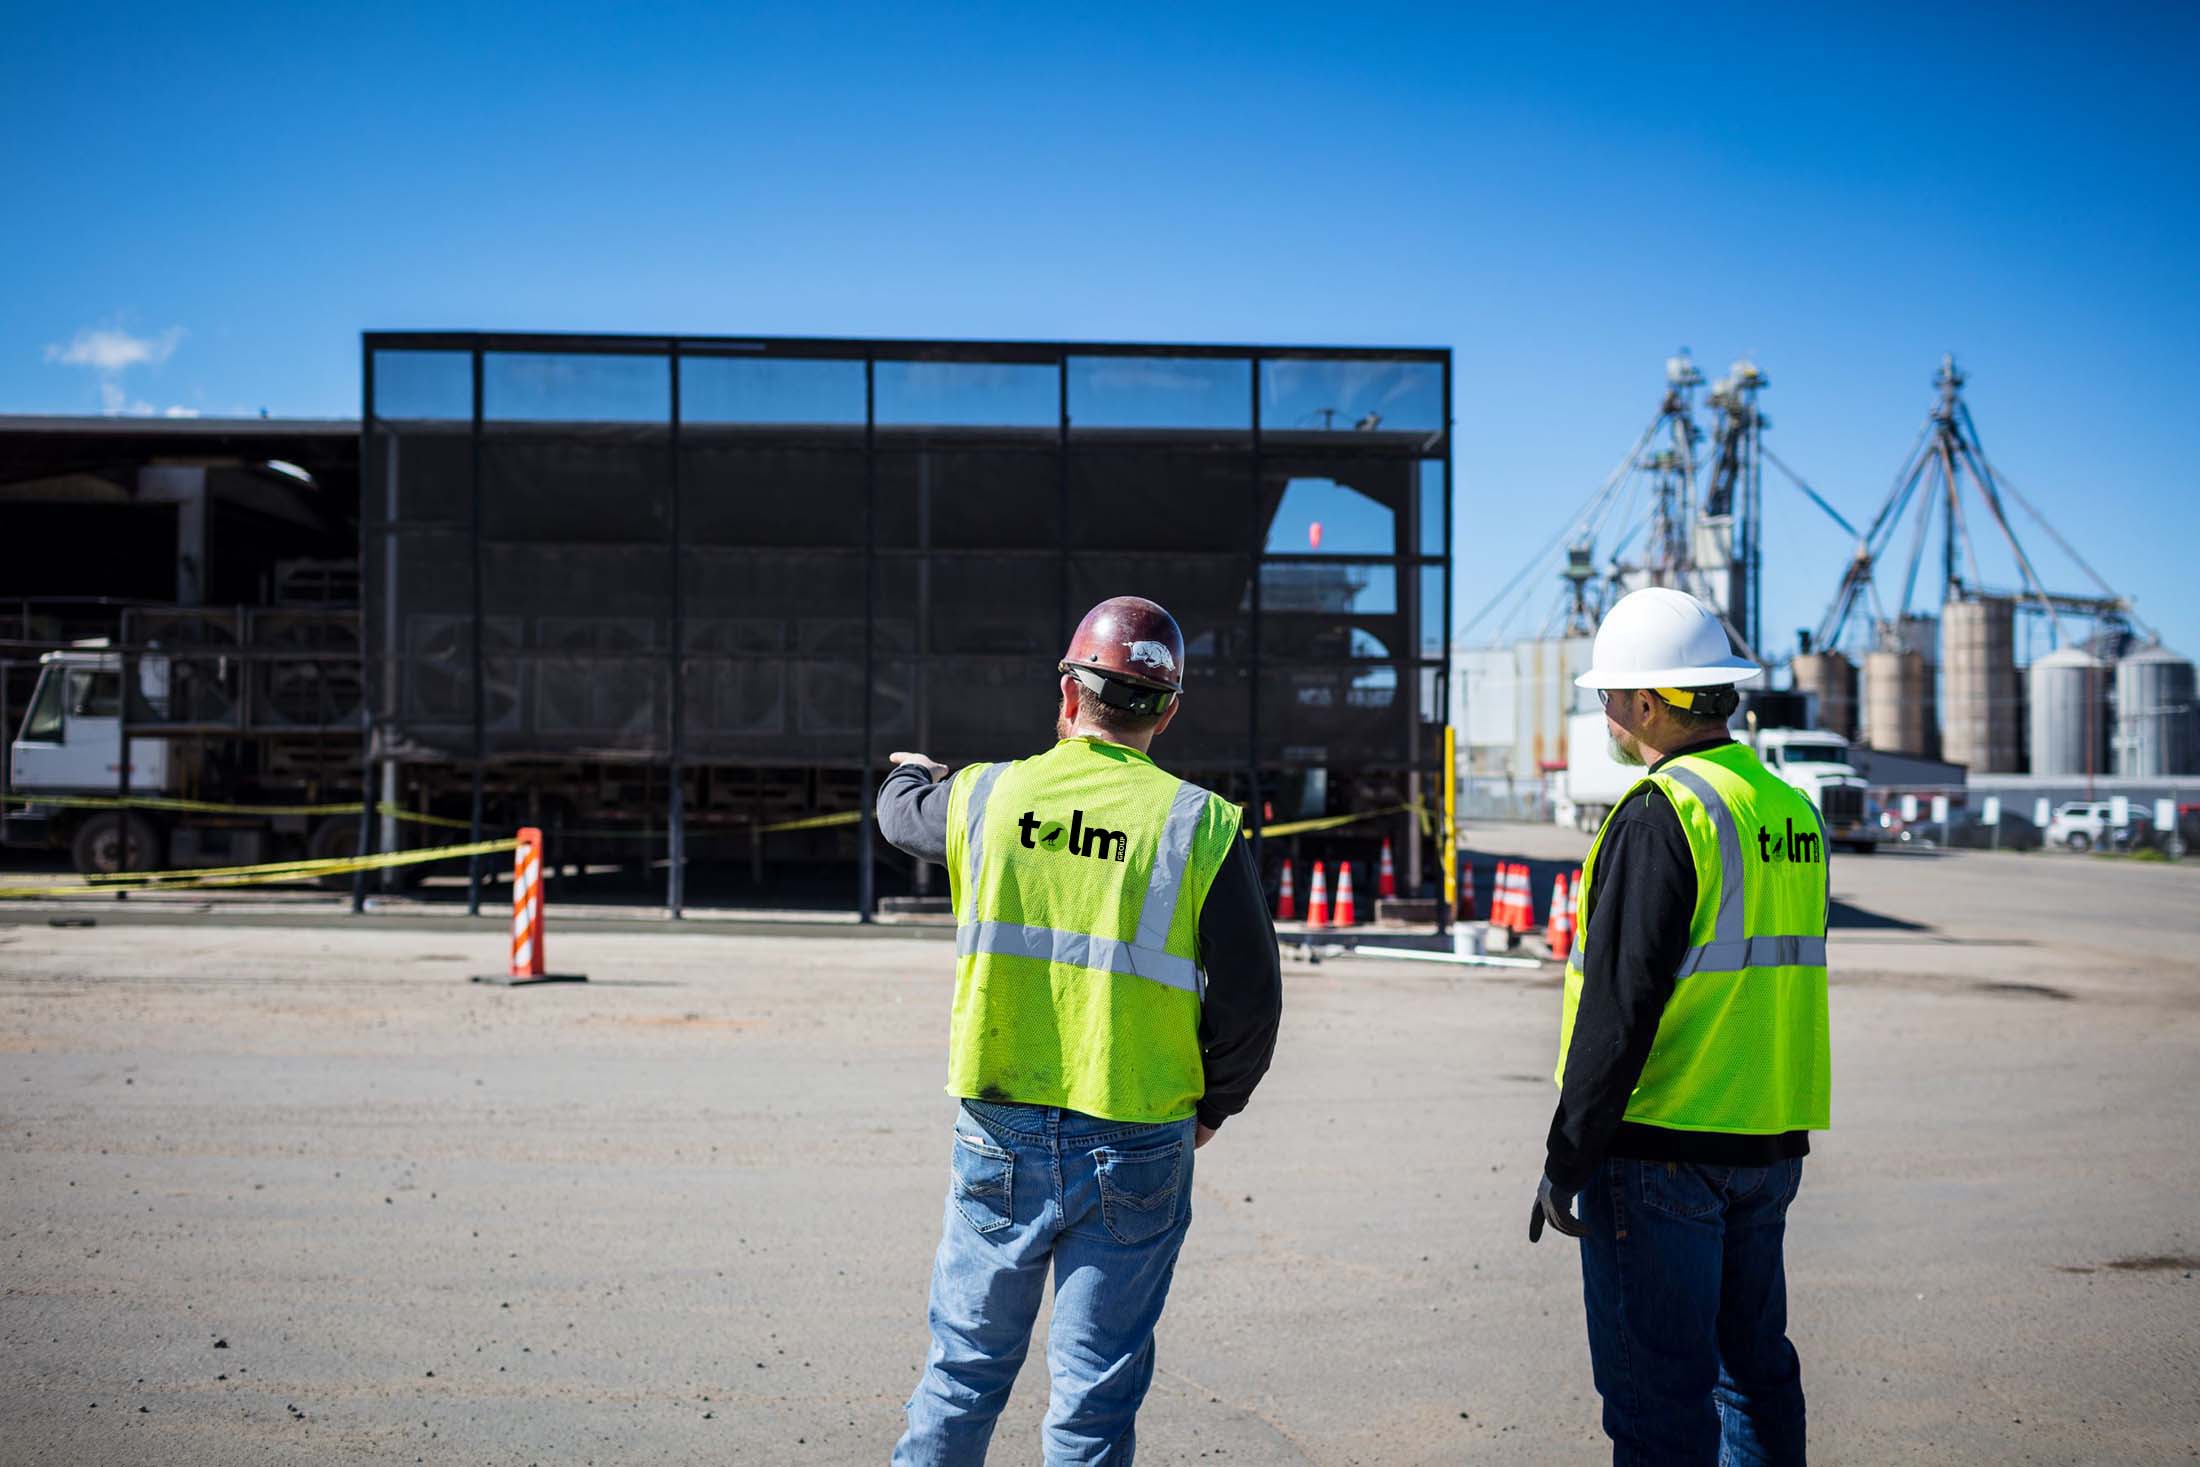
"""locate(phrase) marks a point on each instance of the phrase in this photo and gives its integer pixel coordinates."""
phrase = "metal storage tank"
(1832, 677)
(2069, 713)
(1978, 662)
(1898, 703)
(2156, 729)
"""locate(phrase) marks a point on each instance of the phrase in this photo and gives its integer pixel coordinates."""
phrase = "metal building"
(724, 577)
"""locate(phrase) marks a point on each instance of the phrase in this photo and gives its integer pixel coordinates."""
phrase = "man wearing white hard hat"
(1693, 1060)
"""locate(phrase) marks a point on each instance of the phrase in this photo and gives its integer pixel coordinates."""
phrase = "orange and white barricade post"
(1317, 899)
(1287, 900)
(1466, 891)
(527, 965)
(1386, 875)
(1347, 914)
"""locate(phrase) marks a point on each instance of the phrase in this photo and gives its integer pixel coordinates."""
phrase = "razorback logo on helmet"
(1153, 654)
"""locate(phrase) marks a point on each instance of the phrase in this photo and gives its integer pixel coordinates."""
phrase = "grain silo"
(2157, 721)
(1901, 706)
(1978, 667)
(1831, 677)
(2069, 713)
(1898, 703)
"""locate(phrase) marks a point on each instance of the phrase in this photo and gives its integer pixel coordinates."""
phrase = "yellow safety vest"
(1077, 878)
(1743, 1044)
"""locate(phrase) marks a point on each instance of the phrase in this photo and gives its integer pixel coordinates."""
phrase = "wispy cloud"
(111, 351)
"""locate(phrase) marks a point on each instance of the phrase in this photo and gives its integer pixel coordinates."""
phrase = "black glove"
(1556, 1209)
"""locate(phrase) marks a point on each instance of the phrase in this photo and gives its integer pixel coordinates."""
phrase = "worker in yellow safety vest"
(1117, 994)
(1693, 1059)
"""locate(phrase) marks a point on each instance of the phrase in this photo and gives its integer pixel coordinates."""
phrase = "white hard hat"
(1661, 638)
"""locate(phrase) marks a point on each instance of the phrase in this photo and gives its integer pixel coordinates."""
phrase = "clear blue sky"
(206, 205)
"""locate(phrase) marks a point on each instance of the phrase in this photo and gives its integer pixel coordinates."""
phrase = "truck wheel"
(103, 842)
(2079, 841)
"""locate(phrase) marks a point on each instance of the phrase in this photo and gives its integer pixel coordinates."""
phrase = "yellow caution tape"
(214, 807)
(812, 822)
(1333, 822)
(269, 873)
(418, 817)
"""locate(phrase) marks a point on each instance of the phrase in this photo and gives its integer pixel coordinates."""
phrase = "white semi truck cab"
(71, 737)
(1816, 761)
(1813, 760)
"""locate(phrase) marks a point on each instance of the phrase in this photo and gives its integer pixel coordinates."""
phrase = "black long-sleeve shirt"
(1643, 894)
(1243, 1005)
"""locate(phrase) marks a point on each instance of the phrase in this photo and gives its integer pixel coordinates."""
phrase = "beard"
(1627, 753)
(1061, 720)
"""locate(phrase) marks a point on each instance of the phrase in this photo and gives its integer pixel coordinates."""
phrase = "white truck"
(64, 763)
(1813, 760)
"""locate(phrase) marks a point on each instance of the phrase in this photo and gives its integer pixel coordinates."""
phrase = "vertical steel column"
(1063, 610)
(481, 732)
(866, 858)
(368, 525)
(1447, 827)
(122, 750)
(676, 810)
(1254, 807)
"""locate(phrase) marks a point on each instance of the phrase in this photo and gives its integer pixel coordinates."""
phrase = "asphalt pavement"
(289, 1188)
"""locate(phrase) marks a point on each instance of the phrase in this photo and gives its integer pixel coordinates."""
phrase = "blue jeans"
(1686, 1285)
(1107, 1204)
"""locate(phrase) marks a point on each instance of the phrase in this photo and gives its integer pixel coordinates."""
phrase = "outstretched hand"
(930, 765)
(1555, 1209)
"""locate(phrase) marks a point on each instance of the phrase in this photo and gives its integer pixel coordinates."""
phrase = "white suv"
(2083, 824)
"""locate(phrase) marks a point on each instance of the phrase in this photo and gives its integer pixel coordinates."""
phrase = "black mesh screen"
(789, 556)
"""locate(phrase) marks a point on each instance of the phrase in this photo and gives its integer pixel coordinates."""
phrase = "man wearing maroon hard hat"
(1116, 1000)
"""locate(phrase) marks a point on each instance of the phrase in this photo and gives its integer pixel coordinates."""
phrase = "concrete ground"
(287, 1188)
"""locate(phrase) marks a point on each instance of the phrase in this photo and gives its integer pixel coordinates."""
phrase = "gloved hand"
(1556, 1209)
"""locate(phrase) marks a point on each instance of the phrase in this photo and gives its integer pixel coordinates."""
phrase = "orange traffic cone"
(1466, 892)
(1559, 935)
(1386, 875)
(1287, 900)
(1317, 900)
(1347, 915)
(1503, 903)
(1523, 907)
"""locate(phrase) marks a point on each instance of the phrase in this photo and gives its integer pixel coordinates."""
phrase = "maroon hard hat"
(1129, 653)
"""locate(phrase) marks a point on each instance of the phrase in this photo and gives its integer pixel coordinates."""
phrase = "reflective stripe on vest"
(981, 790)
(1079, 950)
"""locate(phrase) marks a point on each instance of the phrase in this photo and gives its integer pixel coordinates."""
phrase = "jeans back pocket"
(985, 1183)
(1140, 1191)
(1681, 1189)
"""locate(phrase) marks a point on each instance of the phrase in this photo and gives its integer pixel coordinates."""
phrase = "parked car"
(1966, 831)
(2081, 825)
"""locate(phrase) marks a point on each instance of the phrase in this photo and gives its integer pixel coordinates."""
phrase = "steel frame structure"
(1421, 664)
